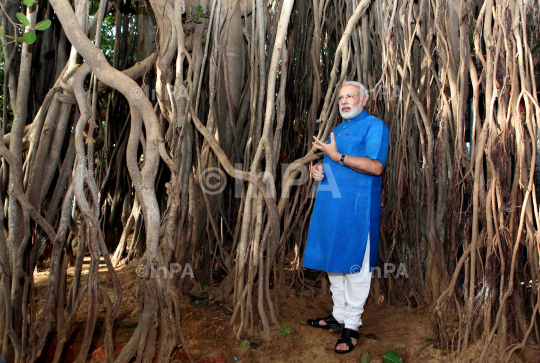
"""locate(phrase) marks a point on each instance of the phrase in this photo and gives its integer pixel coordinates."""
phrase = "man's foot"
(347, 341)
(344, 347)
(326, 323)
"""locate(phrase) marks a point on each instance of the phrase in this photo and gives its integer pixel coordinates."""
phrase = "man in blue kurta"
(343, 237)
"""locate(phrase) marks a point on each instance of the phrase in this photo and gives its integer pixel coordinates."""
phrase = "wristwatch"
(342, 160)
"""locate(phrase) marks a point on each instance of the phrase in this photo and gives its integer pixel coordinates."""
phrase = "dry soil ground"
(205, 324)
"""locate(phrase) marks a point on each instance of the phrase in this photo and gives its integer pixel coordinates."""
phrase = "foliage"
(108, 27)
(247, 344)
(108, 34)
(195, 16)
(391, 357)
(285, 329)
(29, 37)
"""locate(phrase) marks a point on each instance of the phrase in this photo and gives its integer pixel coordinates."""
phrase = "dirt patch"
(206, 326)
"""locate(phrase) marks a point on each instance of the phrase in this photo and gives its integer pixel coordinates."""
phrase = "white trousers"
(350, 292)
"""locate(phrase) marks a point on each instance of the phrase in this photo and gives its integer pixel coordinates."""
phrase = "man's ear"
(364, 101)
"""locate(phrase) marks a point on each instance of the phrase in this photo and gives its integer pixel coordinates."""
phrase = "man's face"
(349, 102)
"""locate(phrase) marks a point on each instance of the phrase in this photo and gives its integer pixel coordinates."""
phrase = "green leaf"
(400, 345)
(1, 32)
(211, 336)
(285, 329)
(244, 344)
(200, 9)
(23, 19)
(197, 21)
(391, 357)
(327, 310)
(44, 24)
(205, 285)
(97, 330)
(230, 310)
(536, 41)
(129, 325)
(253, 345)
(430, 336)
(103, 310)
(28, 2)
(365, 358)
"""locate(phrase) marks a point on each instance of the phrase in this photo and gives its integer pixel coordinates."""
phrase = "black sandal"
(346, 338)
(331, 323)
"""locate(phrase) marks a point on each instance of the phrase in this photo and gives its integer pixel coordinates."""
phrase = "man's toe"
(343, 346)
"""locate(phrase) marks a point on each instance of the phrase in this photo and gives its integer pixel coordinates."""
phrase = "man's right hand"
(317, 172)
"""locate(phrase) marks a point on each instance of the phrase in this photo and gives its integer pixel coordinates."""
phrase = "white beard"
(354, 111)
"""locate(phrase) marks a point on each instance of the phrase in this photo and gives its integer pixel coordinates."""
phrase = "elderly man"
(343, 237)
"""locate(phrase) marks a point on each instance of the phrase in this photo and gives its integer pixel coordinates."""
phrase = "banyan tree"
(186, 126)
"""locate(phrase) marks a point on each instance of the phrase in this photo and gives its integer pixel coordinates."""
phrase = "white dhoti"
(350, 292)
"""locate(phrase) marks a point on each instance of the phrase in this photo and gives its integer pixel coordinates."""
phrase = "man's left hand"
(329, 149)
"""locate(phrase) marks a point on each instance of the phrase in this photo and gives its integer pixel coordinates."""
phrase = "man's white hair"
(363, 90)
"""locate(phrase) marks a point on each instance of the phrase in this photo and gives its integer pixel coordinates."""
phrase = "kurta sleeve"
(377, 139)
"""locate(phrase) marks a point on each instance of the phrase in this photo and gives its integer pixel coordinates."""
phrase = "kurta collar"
(358, 117)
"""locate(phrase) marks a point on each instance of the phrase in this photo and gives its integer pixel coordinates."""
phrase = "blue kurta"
(348, 203)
